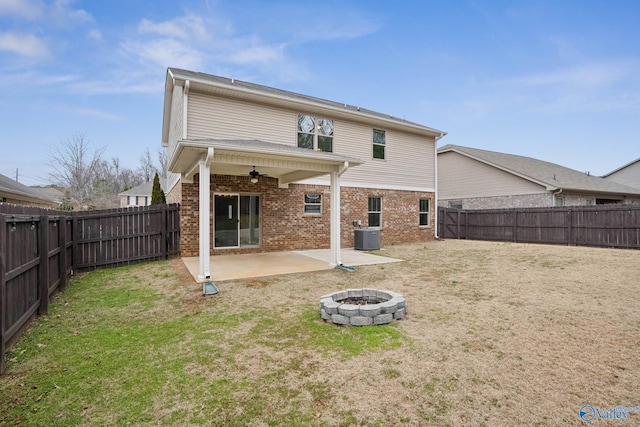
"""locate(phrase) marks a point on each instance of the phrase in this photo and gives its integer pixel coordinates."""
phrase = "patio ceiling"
(237, 157)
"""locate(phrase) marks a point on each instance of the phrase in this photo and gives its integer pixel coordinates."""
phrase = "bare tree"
(147, 167)
(75, 167)
(162, 162)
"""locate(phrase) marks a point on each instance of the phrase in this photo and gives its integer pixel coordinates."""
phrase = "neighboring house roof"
(553, 176)
(22, 192)
(265, 94)
(144, 189)
(54, 193)
(622, 167)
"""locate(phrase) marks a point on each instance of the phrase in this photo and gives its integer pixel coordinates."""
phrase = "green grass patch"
(115, 350)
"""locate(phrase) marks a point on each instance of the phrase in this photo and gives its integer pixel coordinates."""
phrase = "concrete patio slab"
(244, 266)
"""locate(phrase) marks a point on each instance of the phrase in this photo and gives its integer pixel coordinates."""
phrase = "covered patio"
(254, 158)
(244, 266)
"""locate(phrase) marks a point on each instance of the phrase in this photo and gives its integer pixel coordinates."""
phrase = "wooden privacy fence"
(40, 248)
(603, 226)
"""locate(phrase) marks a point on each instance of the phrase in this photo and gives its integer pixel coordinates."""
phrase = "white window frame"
(427, 212)
(375, 144)
(315, 133)
(132, 198)
(378, 212)
(308, 204)
(558, 201)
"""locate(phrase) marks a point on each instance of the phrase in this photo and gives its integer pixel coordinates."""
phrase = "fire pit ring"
(362, 307)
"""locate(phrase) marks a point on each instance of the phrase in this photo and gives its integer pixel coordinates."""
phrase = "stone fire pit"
(362, 307)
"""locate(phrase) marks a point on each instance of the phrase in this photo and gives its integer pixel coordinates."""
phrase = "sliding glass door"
(236, 220)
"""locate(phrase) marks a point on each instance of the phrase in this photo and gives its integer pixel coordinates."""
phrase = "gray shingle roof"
(144, 189)
(621, 167)
(553, 176)
(14, 187)
(269, 91)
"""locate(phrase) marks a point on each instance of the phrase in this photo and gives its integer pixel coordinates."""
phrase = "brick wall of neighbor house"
(526, 201)
(500, 202)
(284, 225)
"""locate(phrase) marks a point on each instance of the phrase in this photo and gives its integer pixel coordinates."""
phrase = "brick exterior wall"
(285, 227)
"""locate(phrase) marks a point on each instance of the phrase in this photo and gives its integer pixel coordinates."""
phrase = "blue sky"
(553, 80)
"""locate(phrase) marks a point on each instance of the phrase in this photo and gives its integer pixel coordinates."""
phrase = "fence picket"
(601, 226)
(36, 258)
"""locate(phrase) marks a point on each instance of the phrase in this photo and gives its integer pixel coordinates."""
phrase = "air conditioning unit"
(367, 239)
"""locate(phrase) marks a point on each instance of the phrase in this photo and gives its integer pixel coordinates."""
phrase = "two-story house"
(139, 195)
(258, 169)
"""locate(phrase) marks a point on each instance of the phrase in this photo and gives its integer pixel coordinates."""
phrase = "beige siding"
(221, 118)
(628, 176)
(409, 159)
(462, 177)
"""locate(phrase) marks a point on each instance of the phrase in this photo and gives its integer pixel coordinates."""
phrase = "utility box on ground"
(367, 239)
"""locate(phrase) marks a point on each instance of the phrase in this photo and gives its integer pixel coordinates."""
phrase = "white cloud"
(257, 55)
(29, 9)
(164, 53)
(23, 44)
(95, 35)
(588, 87)
(185, 28)
(63, 14)
(591, 75)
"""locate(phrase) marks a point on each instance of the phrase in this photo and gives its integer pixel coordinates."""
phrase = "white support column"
(335, 220)
(204, 214)
(335, 216)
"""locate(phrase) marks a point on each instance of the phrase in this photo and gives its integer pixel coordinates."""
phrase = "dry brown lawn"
(500, 334)
(497, 334)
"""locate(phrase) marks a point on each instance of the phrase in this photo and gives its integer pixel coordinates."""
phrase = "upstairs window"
(315, 133)
(313, 204)
(133, 200)
(375, 211)
(424, 212)
(379, 141)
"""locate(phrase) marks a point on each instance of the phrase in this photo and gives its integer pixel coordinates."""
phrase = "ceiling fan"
(254, 174)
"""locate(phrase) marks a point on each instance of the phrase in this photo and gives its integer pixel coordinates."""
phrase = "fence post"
(515, 226)
(75, 238)
(163, 232)
(570, 227)
(3, 290)
(43, 276)
(62, 256)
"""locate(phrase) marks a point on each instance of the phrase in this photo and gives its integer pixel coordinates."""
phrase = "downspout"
(343, 168)
(435, 198)
(554, 196)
